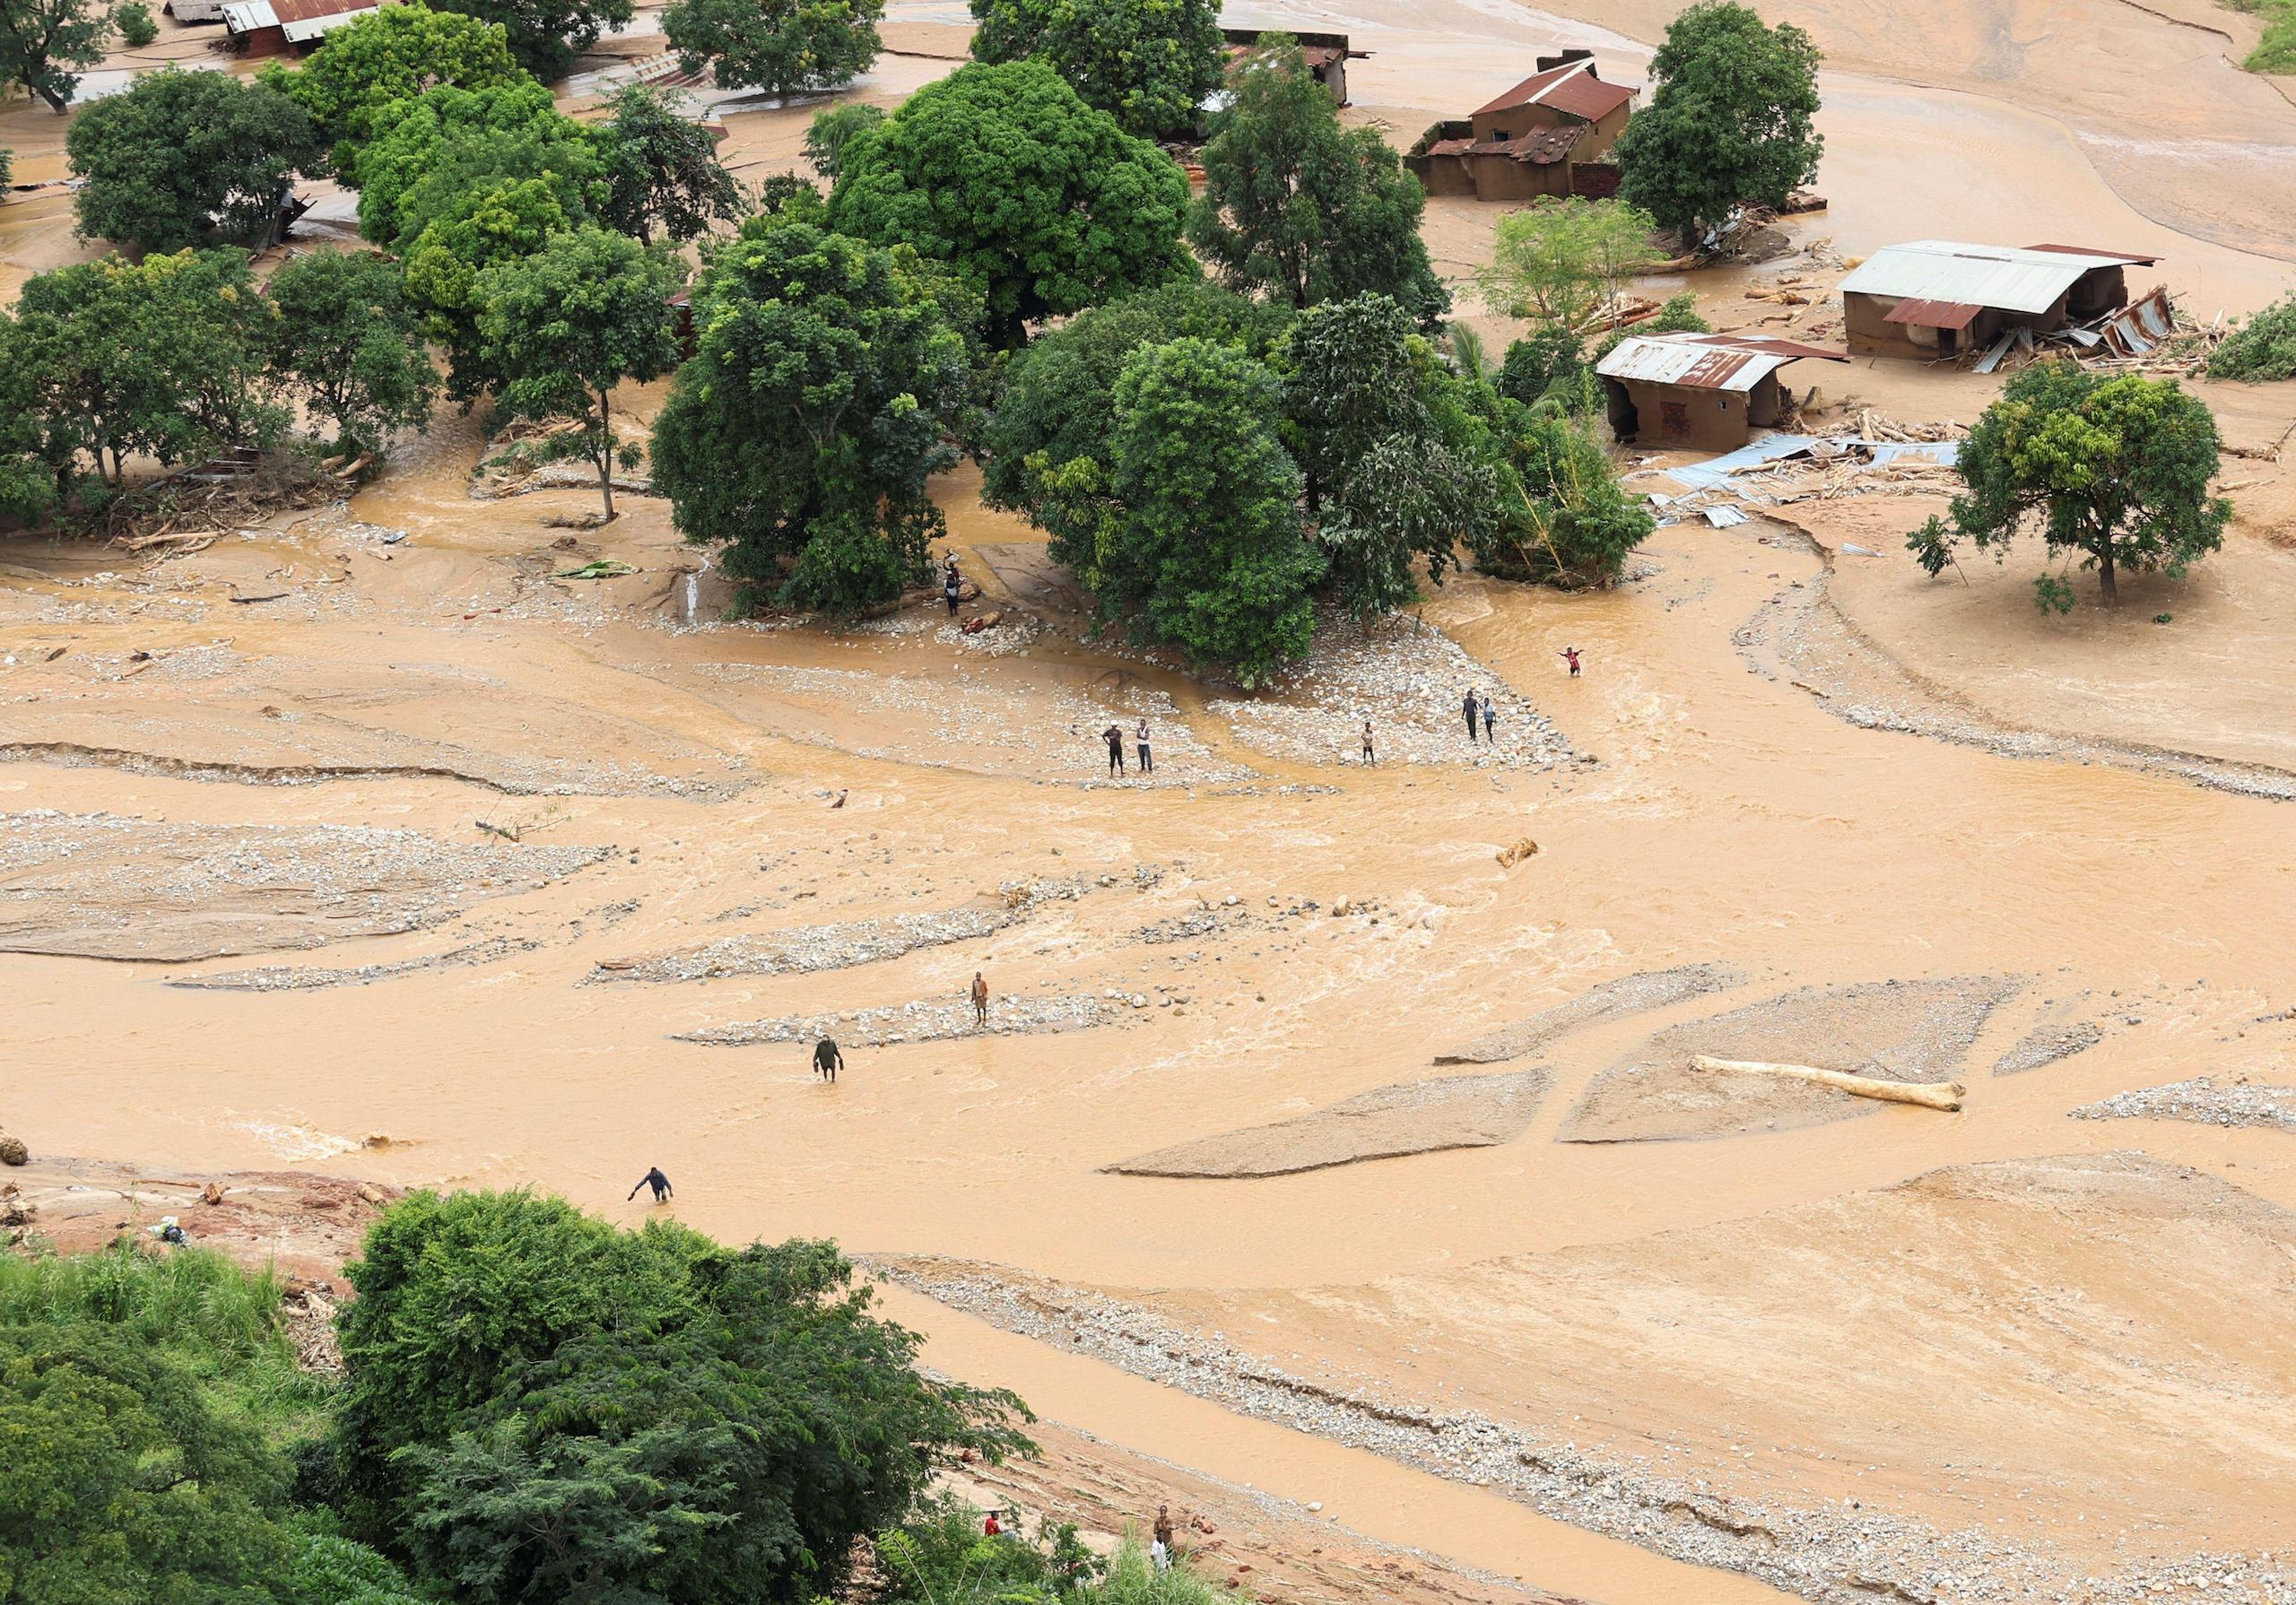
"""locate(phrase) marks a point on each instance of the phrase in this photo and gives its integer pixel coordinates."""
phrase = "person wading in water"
(655, 1179)
(827, 1060)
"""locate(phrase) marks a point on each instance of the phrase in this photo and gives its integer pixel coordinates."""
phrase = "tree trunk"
(605, 454)
(2108, 586)
(1929, 1095)
(56, 102)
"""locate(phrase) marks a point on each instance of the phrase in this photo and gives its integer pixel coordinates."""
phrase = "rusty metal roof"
(1572, 88)
(1538, 147)
(298, 20)
(1933, 315)
(1987, 275)
(2082, 250)
(1736, 362)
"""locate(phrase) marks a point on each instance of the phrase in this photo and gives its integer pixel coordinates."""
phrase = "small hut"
(1698, 392)
(1937, 297)
(276, 27)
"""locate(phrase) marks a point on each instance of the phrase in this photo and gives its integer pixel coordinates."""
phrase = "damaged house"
(1328, 54)
(1546, 137)
(1700, 392)
(1935, 298)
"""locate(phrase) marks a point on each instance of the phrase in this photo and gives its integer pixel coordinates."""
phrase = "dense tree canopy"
(662, 169)
(782, 47)
(832, 129)
(544, 1407)
(563, 326)
(492, 221)
(829, 377)
(182, 158)
(342, 339)
(29, 491)
(1729, 120)
(44, 45)
(545, 36)
(1563, 517)
(1149, 64)
(2114, 470)
(1043, 205)
(1297, 207)
(158, 357)
(389, 56)
(427, 152)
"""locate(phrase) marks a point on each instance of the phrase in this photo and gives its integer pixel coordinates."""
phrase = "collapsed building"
(1700, 392)
(1935, 298)
(1548, 136)
(1328, 54)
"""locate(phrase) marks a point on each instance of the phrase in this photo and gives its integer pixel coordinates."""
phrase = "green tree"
(567, 324)
(1560, 262)
(7, 166)
(137, 27)
(1296, 207)
(1729, 122)
(545, 36)
(663, 168)
(160, 356)
(1200, 544)
(1563, 517)
(387, 56)
(498, 221)
(182, 158)
(1059, 402)
(833, 129)
(44, 45)
(1149, 64)
(426, 153)
(343, 338)
(782, 47)
(547, 1408)
(1547, 355)
(29, 488)
(2115, 470)
(831, 376)
(1043, 205)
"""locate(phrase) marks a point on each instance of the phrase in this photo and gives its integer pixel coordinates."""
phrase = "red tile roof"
(1572, 88)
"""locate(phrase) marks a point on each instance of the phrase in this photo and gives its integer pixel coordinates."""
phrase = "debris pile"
(2149, 336)
(194, 507)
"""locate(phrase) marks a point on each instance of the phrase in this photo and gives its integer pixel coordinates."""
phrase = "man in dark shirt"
(655, 1179)
(1471, 708)
(827, 1060)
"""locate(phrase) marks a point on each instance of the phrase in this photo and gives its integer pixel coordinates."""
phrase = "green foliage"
(344, 340)
(427, 152)
(942, 1557)
(28, 488)
(182, 157)
(1200, 545)
(7, 166)
(1301, 208)
(326, 1568)
(782, 47)
(1729, 122)
(389, 56)
(1568, 521)
(1548, 356)
(136, 25)
(1561, 261)
(1060, 398)
(547, 1408)
(832, 130)
(828, 379)
(1149, 64)
(565, 326)
(545, 36)
(2115, 470)
(2263, 348)
(662, 168)
(1070, 212)
(160, 356)
(1676, 314)
(44, 45)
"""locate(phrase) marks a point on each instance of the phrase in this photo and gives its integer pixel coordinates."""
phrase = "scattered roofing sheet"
(1933, 315)
(2082, 250)
(1572, 88)
(1539, 147)
(2003, 276)
(1721, 470)
(1735, 362)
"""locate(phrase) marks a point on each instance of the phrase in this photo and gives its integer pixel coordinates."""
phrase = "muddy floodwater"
(1322, 1141)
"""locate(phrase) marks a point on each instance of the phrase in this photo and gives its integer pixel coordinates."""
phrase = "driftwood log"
(1929, 1095)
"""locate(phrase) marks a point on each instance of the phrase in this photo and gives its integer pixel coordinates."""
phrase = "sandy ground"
(1986, 1356)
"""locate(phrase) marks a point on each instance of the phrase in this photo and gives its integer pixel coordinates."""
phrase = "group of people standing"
(1113, 736)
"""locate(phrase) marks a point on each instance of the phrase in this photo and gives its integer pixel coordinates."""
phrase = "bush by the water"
(942, 1557)
(2264, 348)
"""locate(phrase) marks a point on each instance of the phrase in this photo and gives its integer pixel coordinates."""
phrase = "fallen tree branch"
(1929, 1095)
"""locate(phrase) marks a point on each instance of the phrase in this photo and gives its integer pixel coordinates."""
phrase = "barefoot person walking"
(827, 1060)
(1469, 708)
(980, 1000)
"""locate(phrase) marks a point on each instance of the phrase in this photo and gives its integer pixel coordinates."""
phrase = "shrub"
(136, 27)
(2263, 348)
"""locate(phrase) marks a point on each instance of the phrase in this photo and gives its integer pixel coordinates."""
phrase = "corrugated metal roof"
(1933, 315)
(1735, 362)
(1572, 88)
(298, 20)
(1987, 275)
(1539, 147)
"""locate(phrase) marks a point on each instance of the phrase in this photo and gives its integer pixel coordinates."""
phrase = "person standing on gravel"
(1113, 736)
(655, 1179)
(979, 999)
(1369, 758)
(1469, 708)
(1147, 762)
(827, 1060)
(1490, 721)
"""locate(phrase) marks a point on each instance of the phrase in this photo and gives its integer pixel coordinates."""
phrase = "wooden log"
(1929, 1095)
